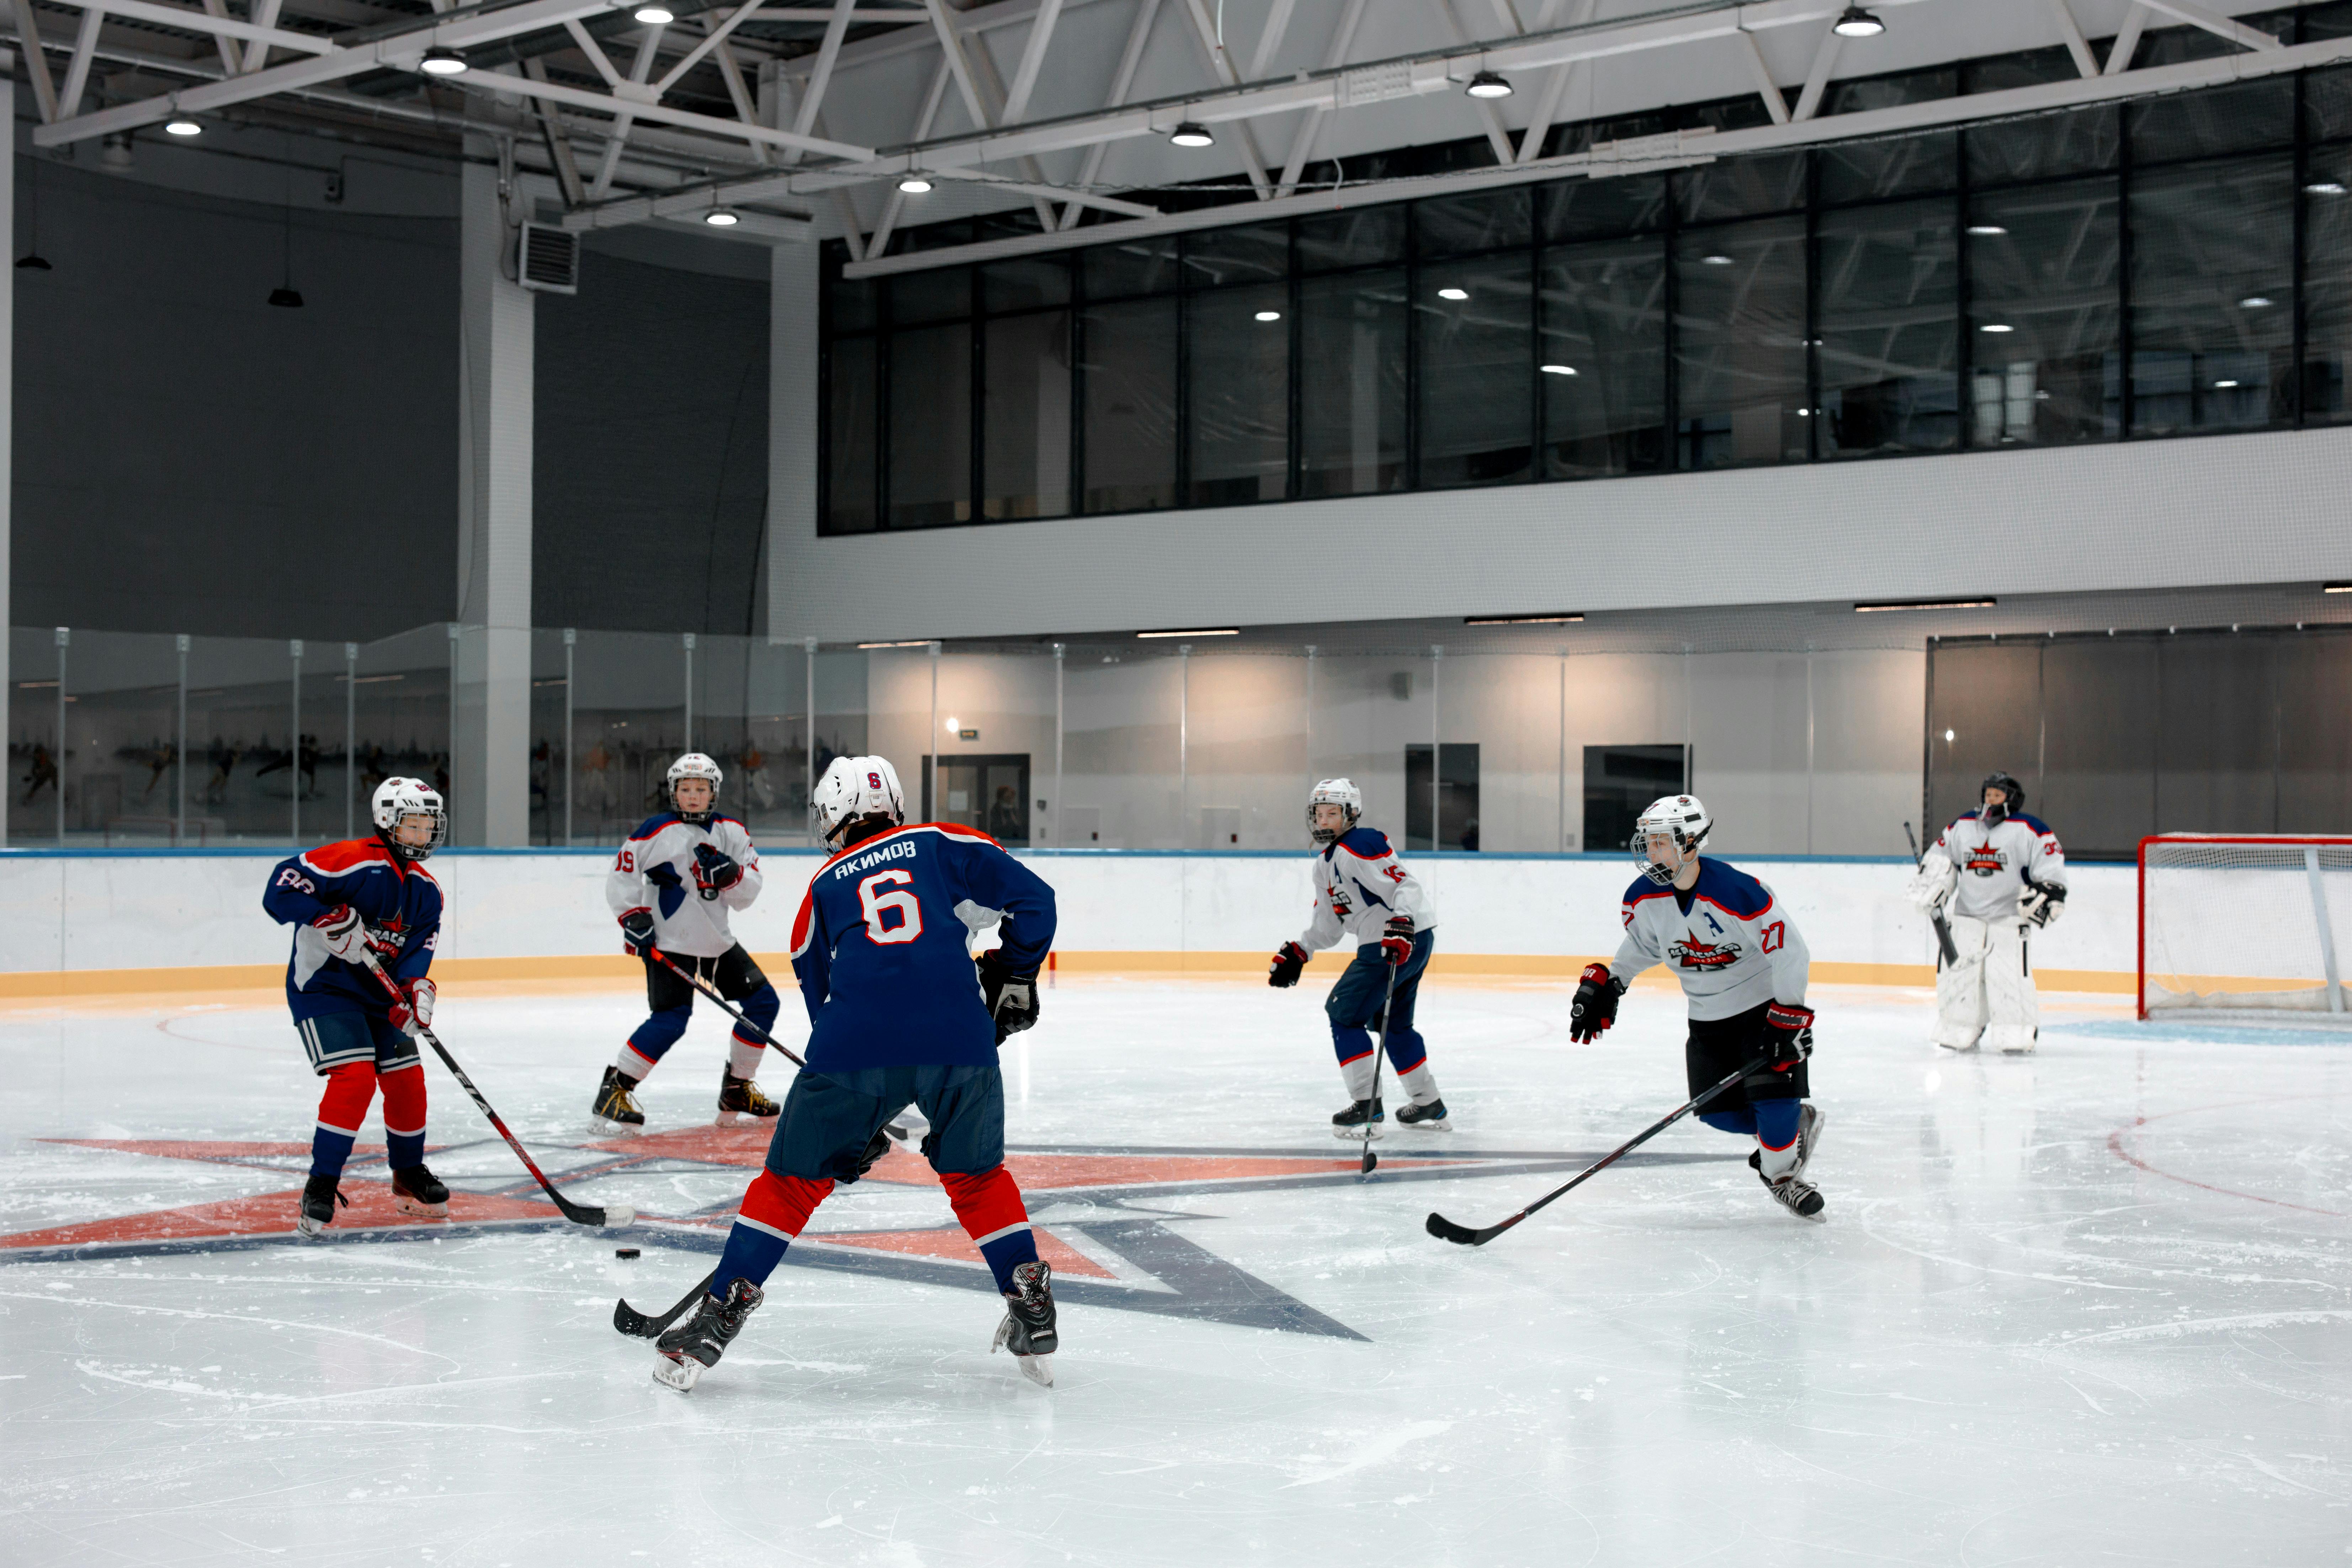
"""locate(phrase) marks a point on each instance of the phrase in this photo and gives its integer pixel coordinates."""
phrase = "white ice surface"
(2010, 1343)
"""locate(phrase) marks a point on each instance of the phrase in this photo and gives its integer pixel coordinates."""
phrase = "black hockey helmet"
(2013, 798)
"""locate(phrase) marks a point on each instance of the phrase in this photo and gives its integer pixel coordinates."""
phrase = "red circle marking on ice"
(2115, 1147)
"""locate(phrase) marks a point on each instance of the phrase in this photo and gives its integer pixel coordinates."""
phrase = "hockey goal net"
(2244, 924)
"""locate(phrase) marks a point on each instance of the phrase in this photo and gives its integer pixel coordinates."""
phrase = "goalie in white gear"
(1997, 876)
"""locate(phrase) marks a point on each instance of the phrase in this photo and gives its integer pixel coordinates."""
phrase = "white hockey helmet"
(854, 788)
(1678, 817)
(1333, 792)
(395, 801)
(693, 765)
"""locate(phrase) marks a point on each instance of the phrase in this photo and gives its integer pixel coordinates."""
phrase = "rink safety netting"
(2245, 925)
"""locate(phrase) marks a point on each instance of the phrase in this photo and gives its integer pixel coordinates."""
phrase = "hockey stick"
(629, 1321)
(578, 1214)
(1936, 915)
(766, 1038)
(1379, 1045)
(1446, 1230)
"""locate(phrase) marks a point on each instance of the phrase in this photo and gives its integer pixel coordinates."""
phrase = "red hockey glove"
(413, 1012)
(1289, 962)
(638, 932)
(345, 932)
(1595, 1008)
(1396, 940)
(1788, 1034)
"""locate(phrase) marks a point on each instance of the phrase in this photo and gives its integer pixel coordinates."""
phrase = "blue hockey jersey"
(398, 899)
(879, 946)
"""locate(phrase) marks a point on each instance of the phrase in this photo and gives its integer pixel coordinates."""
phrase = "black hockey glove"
(2043, 902)
(1787, 1035)
(869, 1157)
(1289, 962)
(638, 932)
(1595, 1008)
(1011, 996)
(714, 871)
(1396, 940)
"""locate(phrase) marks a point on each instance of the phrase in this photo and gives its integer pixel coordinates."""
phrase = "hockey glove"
(2042, 904)
(638, 932)
(714, 871)
(1931, 884)
(1289, 962)
(1788, 1034)
(1595, 1008)
(1011, 998)
(1396, 940)
(345, 932)
(413, 1012)
(871, 1156)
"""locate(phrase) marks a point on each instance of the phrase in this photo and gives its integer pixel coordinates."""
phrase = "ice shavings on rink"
(2082, 1306)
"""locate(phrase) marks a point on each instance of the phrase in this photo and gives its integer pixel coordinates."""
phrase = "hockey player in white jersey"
(1362, 890)
(1743, 967)
(1997, 876)
(671, 887)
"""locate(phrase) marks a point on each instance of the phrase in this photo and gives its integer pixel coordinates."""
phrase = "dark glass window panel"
(1858, 95)
(2212, 291)
(1745, 112)
(2047, 146)
(1604, 326)
(930, 427)
(931, 237)
(1603, 209)
(2027, 68)
(1365, 237)
(2099, 743)
(2328, 285)
(917, 297)
(1013, 224)
(2328, 103)
(2045, 314)
(1130, 267)
(1477, 418)
(2217, 733)
(1025, 417)
(1741, 187)
(1352, 411)
(2177, 44)
(851, 303)
(2332, 21)
(1131, 406)
(1739, 352)
(1888, 320)
(1240, 398)
(1891, 166)
(2246, 118)
(2314, 763)
(1025, 284)
(1256, 253)
(1988, 697)
(1484, 220)
(849, 438)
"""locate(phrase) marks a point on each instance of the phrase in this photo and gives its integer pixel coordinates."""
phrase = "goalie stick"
(578, 1214)
(629, 1321)
(1936, 915)
(1447, 1230)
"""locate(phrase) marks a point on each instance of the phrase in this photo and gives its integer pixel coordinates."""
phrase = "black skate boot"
(740, 1099)
(319, 1196)
(1430, 1118)
(1350, 1123)
(1028, 1329)
(1793, 1192)
(616, 1104)
(417, 1190)
(702, 1339)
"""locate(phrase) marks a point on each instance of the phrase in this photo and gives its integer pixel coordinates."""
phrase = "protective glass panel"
(2327, 285)
(1250, 254)
(1131, 406)
(629, 722)
(850, 447)
(1740, 353)
(1476, 346)
(2213, 276)
(2044, 316)
(1352, 327)
(1364, 236)
(1488, 220)
(1889, 329)
(1240, 396)
(1602, 360)
(1025, 417)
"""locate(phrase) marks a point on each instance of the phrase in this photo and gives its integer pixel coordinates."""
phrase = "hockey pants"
(1355, 1004)
(1989, 991)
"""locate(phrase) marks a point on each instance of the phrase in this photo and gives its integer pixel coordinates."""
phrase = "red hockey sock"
(341, 1109)
(404, 1115)
(989, 1203)
(780, 1205)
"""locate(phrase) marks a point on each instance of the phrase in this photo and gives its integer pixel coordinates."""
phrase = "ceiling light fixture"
(1996, 327)
(1986, 229)
(1192, 133)
(1195, 632)
(1488, 84)
(1564, 618)
(180, 125)
(1269, 315)
(917, 642)
(1857, 23)
(1454, 293)
(438, 61)
(2336, 587)
(2324, 188)
(286, 298)
(655, 16)
(33, 261)
(2224, 385)
(721, 217)
(1718, 259)
(1559, 368)
(914, 185)
(2256, 302)
(1925, 604)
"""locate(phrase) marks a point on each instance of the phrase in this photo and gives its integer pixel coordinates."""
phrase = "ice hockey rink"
(2085, 1306)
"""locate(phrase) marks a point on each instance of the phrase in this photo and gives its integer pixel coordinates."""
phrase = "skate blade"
(611, 1127)
(419, 1208)
(728, 1117)
(310, 1226)
(1443, 1124)
(1355, 1134)
(1037, 1369)
(681, 1372)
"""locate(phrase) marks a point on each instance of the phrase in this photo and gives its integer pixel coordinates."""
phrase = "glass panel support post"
(180, 751)
(808, 761)
(1184, 745)
(687, 639)
(1311, 780)
(1560, 840)
(1436, 748)
(571, 642)
(65, 641)
(931, 739)
(294, 749)
(351, 741)
(2327, 931)
(1061, 800)
(449, 825)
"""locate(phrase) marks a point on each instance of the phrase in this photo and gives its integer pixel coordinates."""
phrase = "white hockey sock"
(743, 1060)
(1358, 1076)
(633, 1066)
(1419, 1084)
(1777, 1162)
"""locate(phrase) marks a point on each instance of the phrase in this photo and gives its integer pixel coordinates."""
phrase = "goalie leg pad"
(1960, 988)
(2013, 1012)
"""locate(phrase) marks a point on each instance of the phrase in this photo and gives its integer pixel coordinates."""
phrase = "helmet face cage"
(693, 765)
(1682, 818)
(397, 799)
(2010, 806)
(1341, 792)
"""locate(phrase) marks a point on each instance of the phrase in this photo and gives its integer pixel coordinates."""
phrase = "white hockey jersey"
(1994, 863)
(1733, 948)
(655, 870)
(1359, 884)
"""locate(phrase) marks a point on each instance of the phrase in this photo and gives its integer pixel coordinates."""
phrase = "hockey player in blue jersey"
(671, 887)
(1363, 890)
(347, 902)
(1743, 967)
(897, 1015)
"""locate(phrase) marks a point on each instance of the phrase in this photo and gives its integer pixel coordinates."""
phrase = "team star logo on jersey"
(1693, 954)
(1986, 861)
(1125, 1228)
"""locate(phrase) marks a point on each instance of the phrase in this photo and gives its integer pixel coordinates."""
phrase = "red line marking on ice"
(2115, 1147)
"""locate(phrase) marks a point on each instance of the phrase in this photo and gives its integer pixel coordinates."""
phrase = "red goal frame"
(2139, 956)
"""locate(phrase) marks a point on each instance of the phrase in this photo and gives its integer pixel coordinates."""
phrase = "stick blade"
(1445, 1229)
(631, 1321)
(618, 1217)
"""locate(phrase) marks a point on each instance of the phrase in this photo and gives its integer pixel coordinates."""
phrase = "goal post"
(2245, 925)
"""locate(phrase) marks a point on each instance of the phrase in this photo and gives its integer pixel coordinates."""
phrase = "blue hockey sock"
(1007, 1252)
(1741, 1122)
(329, 1151)
(751, 1254)
(1775, 1122)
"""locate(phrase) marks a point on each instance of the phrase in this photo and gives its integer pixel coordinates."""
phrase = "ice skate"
(1028, 1329)
(319, 1196)
(704, 1336)
(417, 1190)
(740, 1099)
(616, 1105)
(1430, 1118)
(1351, 1122)
(1792, 1192)
(2014, 1040)
(1810, 1122)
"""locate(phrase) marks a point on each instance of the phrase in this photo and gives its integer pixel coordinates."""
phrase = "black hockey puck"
(624, 1252)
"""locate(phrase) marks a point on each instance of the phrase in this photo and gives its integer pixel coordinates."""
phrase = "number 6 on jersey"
(876, 903)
